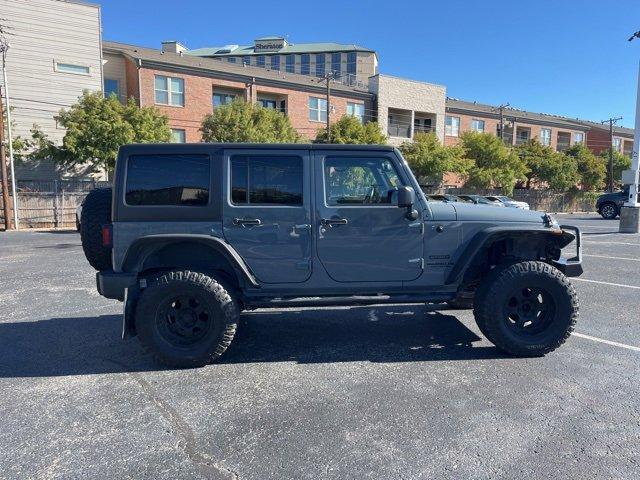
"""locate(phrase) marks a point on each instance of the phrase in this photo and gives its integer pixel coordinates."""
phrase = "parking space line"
(608, 342)
(605, 283)
(591, 242)
(613, 258)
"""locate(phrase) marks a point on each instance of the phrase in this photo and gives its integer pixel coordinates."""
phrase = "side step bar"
(351, 300)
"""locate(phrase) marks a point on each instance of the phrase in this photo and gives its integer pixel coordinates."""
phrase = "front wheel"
(526, 309)
(609, 211)
(186, 319)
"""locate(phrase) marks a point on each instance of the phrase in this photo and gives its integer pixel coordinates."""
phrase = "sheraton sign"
(270, 45)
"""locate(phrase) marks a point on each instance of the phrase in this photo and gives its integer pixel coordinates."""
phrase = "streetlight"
(4, 47)
(630, 212)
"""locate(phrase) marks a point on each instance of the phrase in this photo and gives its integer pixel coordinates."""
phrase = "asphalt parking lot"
(368, 392)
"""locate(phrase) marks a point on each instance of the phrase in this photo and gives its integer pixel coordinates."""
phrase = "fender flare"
(143, 247)
(489, 235)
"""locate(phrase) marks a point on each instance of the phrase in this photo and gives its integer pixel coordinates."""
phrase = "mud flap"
(128, 320)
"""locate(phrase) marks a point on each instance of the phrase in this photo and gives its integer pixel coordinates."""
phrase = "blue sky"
(567, 57)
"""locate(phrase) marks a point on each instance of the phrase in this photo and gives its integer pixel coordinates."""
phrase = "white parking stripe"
(608, 342)
(605, 283)
(591, 242)
(613, 258)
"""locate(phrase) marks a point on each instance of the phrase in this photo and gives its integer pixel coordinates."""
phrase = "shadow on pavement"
(92, 345)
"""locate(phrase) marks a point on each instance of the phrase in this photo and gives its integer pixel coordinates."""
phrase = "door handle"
(246, 221)
(329, 222)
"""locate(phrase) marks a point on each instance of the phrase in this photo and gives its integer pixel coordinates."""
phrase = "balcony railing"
(403, 131)
(422, 129)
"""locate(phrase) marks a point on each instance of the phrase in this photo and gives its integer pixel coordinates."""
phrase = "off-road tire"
(96, 212)
(493, 297)
(149, 317)
(609, 211)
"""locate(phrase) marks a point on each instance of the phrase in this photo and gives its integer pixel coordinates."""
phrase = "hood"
(487, 213)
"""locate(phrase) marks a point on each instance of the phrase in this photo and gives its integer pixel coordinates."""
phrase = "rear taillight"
(107, 236)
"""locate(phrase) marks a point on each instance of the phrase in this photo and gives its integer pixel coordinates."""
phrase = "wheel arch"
(490, 246)
(160, 252)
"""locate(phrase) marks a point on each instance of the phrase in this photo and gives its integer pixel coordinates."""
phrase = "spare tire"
(96, 212)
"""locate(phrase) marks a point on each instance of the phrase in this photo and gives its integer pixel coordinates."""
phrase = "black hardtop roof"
(142, 147)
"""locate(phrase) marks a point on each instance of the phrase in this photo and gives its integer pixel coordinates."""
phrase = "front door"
(362, 234)
(267, 212)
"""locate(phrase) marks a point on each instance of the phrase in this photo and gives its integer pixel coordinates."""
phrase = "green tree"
(558, 171)
(592, 169)
(240, 121)
(620, 162)
(430, 160)
(495, 165)
(351, 130)
(97, 126)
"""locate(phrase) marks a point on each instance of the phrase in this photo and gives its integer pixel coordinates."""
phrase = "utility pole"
(327, 78)
(501, 108)
(611, 121)
(4, 46)
(3, 171)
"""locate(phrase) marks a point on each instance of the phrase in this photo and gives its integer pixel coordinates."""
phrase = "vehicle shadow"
(92, 345)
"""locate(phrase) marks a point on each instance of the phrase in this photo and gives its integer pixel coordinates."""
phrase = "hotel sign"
(269, 45)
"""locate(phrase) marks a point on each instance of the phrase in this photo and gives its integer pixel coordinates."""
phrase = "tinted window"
(266, 180)
(168, 180)
(360, 181)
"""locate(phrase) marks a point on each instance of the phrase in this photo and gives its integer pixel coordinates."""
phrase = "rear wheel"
(186, 319)
(609, 210)
(527, 308)
(96, 212)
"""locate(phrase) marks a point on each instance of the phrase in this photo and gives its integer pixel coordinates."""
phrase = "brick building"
(599, 138)
(520, 126)
(186, 88)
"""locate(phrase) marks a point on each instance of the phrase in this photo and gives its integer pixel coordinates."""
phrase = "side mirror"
(406, 197)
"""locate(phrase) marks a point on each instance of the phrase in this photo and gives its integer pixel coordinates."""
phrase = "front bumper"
(113, 284)
(572, 266)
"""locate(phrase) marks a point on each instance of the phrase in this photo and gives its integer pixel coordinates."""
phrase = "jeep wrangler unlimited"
(192, 234)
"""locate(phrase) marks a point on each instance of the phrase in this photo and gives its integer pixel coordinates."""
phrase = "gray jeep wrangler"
(192, 234)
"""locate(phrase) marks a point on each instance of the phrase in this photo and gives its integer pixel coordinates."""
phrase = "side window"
(168, 180)
(266, 180)
(360, 181)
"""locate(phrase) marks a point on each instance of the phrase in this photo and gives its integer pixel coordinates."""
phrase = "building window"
(72, 68)
(317, 109)
(320, 65)
(336, 63)
(275, 62)
(617, 143)
(221, 98)
(452, 126)
(356, 110)
(246, 60)
(178, 135)
(290, 63)
(562, 141)
(305, 64)
(545, 136)
(578, 137)
(266, 180)
(522, 135)
(352, 62)
(168, 180)
(111, 87)
(261, 61)
(477, 125)
(268, 103)
(169, 91)
(231, 59)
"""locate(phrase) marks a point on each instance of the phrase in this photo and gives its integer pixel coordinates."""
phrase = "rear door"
(363, 236)
(267, 212)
